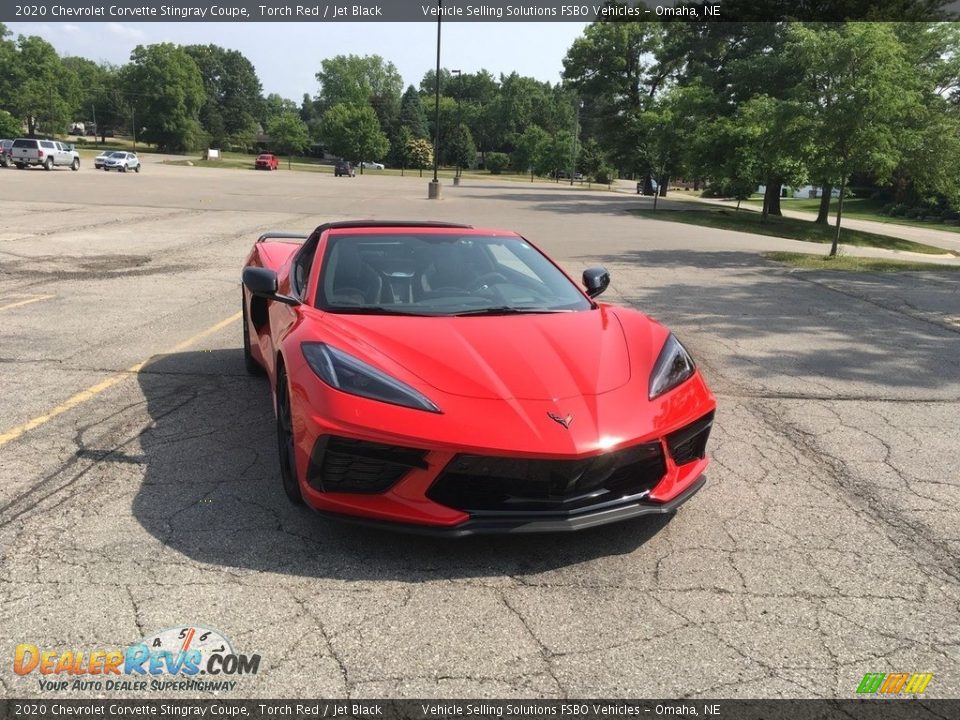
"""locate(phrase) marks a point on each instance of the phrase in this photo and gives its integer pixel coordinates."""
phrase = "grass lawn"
(857, 208)
(853, 264)
(783, 227)
(242, 161)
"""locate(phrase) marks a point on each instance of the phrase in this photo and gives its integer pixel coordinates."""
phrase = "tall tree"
(356, 80)
(412, 115)
(353, 133)
(855, 88)
(288, 134)
(41, 92)
(167, 93)
(233, 94)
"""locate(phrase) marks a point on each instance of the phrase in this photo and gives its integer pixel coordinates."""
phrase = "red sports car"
(266, 161)
(444, 378)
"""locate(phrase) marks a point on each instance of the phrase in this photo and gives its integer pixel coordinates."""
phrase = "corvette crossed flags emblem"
(565, 421)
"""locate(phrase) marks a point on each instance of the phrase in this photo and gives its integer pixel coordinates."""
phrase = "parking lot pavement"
(140, 487)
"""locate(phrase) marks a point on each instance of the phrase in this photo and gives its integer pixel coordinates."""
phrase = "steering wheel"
(485, 280)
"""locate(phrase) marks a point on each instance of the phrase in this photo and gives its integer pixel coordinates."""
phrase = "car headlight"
(673, 367)
(345, 372)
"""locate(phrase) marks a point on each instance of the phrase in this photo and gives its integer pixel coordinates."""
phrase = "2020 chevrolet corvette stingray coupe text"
(450, 379)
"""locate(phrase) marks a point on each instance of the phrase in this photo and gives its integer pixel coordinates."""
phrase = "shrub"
(951, 215)
(497, 162)
(913, 213)
(603, 175)
(898, 210)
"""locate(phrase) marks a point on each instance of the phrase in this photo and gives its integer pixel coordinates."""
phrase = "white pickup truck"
(48, 153)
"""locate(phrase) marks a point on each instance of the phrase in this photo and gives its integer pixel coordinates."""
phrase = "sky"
(287, 55)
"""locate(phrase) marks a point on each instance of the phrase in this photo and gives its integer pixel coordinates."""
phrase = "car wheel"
(75, 165)
(20, 166)
(123, 168)
(137, 168)
(48, 164)
(253, 367)
(285, 441)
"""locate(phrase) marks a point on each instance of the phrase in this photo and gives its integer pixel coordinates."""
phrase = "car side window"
(301, 268)
(48, 144)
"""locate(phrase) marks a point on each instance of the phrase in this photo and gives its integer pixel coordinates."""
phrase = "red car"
(444, 378)
(266, 161)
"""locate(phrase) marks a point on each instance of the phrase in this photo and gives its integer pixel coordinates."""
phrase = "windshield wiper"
(507, 310)
(371, 310)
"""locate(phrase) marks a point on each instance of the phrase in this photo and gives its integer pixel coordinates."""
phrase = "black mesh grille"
(339, 464)
(481, 484)
(690, 443)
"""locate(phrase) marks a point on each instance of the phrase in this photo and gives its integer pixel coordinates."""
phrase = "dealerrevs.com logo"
(894, 683)
(186, 658)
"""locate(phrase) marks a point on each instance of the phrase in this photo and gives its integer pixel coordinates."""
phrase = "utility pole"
(576, 131)
(433, 192)
(459, 113)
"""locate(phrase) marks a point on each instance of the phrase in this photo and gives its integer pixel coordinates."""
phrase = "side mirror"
(596, 280)
(263, 283)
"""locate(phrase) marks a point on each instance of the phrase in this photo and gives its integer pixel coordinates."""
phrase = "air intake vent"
(690, 443)
(339, 464)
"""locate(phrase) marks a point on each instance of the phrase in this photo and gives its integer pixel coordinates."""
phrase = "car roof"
(367, 227)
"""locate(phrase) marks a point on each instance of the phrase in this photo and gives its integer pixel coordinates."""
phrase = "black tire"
(75, 165)
(285, 441)
(137, 168)
(48, 164)
(20, 166)
(251, 364)
(123, 168)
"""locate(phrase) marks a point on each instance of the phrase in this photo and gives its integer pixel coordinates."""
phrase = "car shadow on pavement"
(827, 332)
(211, 490)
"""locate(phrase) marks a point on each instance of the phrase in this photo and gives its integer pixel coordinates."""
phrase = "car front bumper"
(533, 522)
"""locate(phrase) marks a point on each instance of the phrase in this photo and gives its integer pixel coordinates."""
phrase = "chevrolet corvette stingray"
(450, 379)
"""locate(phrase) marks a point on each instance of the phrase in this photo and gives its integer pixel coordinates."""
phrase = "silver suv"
(48, 153)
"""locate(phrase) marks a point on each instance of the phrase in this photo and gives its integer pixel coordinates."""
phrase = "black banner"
(853, 709)
(336, 11)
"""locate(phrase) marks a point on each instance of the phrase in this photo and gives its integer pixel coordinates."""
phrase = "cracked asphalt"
(824, 545)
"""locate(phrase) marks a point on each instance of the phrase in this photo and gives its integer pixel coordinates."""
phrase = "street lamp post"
(433, 192)
(456, 177)
(576, 132)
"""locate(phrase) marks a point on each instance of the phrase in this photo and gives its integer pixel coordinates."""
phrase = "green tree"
(421, 154)
(461, 149)
(855, 88)
(166, 90)
(233, 94)
(356, 80)
(353, 133)
(288, 134)
(400, 149)
(41, 92)
(412, 115)
(528, 148)
(10, 127)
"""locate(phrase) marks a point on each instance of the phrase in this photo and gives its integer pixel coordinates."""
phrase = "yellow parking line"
(38, 298)
(94, 390)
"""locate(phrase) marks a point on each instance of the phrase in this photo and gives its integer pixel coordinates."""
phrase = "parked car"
(453, 380)
(46, 153)
(6, 156)
(372, 165)
(343, 168)
(101, 158)
(122, 161)
(266, 161)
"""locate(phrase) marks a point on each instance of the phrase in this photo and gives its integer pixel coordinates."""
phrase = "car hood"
(524, 357)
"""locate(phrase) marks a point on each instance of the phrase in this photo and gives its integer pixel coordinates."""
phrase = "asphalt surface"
(140, 487)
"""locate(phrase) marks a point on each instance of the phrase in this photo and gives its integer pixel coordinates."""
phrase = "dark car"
(343, 168)
(6, 156)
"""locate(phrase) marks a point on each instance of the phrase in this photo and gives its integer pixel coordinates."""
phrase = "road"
(140, 487)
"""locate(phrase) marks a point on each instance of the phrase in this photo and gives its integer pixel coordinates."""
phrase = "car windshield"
(119, 155)
(441, 274)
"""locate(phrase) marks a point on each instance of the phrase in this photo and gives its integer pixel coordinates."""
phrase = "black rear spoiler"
(276, 235)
